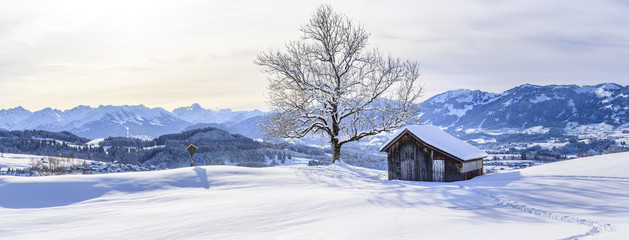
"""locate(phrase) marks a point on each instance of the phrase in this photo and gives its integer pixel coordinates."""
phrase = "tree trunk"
(336, 152)
(336, 147)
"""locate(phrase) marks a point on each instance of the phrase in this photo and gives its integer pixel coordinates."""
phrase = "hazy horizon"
(170, 54)
(167, 109)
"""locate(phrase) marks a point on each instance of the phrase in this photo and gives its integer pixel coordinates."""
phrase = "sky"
(172, 53)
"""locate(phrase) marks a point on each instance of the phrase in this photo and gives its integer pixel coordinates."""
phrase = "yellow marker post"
(191, 149)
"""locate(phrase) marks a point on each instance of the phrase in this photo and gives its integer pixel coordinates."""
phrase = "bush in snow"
(49, 166)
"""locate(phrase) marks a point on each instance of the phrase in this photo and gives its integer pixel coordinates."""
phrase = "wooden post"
(191, 149)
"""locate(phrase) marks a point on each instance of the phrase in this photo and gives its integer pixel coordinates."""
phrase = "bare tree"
(329, 83)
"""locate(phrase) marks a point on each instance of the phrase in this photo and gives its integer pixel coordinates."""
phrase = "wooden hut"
(427, 153)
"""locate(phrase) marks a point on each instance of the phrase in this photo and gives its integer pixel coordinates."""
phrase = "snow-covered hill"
(247, 127)
(581, 198)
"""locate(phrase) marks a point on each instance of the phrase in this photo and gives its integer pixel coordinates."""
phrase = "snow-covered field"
(10, 160)
(586, 197)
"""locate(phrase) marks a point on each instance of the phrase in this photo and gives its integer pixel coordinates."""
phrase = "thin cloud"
(65, 53)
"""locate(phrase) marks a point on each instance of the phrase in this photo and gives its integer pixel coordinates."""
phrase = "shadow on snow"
(39, 194)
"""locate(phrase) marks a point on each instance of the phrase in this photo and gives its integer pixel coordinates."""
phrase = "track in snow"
(596, 227)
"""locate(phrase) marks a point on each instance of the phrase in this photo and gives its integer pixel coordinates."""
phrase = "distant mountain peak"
(449, 94)
(526, 85)
(18, 108)
(82, 107)
(609, 86)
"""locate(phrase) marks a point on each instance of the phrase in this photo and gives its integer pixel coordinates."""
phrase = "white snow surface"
(576, 199)
(9, 160)
(95, 142)
(540, 98)
(459, 112)
(436, 137)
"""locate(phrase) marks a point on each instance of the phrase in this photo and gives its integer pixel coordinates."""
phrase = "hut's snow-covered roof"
(437, 138)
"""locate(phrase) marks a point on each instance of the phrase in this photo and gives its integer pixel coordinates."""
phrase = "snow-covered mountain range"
(130, 121)
(525, 106)
(522, 107)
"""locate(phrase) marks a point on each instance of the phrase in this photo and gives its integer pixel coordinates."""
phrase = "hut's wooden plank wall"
(409, 159)
(472, 165)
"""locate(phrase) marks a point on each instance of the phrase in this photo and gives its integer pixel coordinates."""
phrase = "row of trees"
(42, 134)
(51, 147)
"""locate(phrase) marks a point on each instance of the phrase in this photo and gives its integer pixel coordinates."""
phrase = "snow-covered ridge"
(449, 94)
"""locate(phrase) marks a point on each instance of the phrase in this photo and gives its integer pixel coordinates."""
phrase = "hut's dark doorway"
(408, 162)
